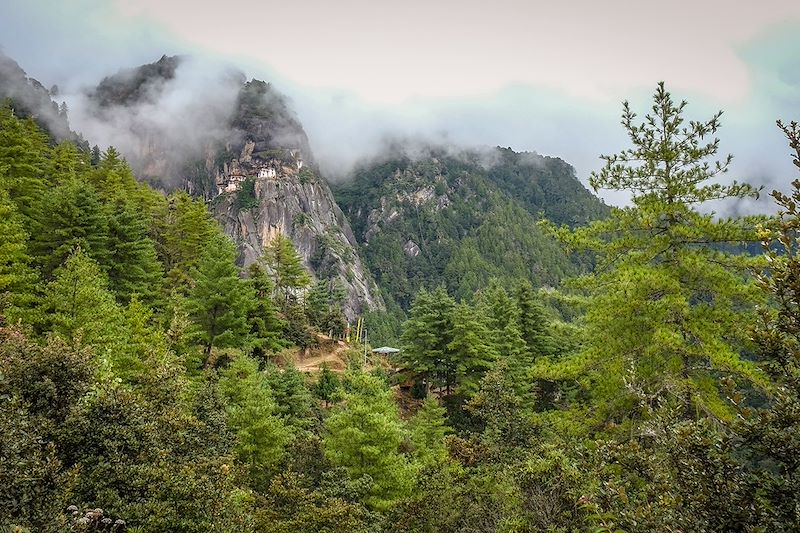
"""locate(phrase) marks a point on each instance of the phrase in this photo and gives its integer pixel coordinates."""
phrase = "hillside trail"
(330, 353)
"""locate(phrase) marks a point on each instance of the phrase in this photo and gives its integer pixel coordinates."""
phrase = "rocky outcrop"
(261, 198)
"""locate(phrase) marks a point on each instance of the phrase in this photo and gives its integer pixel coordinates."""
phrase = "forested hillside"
(461, 219)
(146, 384)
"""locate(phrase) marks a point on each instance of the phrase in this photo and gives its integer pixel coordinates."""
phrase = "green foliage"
(80, 307)
(426, 336)
(327, 385)
(293, 400)
(427, 429)
(289, 277)
(23, 162)
(472, 216)
(668, 307)
(261, 436)
(246, 196)
(184, 231)
(266, 327)
(17, 278)
(364, 434)
(72, 216)
(220, 300)
(134, 267)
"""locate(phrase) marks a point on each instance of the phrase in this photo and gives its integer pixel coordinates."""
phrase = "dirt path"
(333, 358)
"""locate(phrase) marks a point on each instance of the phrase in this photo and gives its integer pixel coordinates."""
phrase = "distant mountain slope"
(30, 98)
(461, 219)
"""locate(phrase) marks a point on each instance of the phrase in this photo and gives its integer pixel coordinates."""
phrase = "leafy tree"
(364, 434)
(220, 300)
(668, 304)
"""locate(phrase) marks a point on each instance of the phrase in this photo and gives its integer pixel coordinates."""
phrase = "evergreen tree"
(72, 216)
(266, 327)
(323, 304)
(426, 336)
(427, 431)
(533, 321)
(770, 434)
(134, 268)
(669, 306)
(470, 352)
(261, 436)
(79, 305)
(184, 231)
(23, 162)
(220, 300)
(17, 278)
(364, 437)
(292, 397)
(288, 274)
(327, 385)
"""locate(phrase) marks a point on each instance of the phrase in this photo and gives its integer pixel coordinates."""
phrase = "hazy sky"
(544, 76)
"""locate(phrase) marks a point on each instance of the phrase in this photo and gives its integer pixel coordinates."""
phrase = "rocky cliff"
(261, 196)
(250, 159)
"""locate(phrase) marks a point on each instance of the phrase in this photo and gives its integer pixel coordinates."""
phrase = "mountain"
(460, 218)
(250, 158)
(30, 98)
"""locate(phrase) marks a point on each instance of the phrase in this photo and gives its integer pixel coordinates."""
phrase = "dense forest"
(643, 377)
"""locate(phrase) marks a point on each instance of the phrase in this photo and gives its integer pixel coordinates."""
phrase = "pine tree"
(266, 327)
(669, 306)
(470, 352)
(17, 278)
(292, 397)
(364, 434)
(503, 320)
(220, 300)
(533, 321)
(134, 268)
(284, 263)
(184, 231)
(261, 436)
(426, 335)
(327, 385)
(23, 162)
(72, 216)
(79, 305)
(428, 428)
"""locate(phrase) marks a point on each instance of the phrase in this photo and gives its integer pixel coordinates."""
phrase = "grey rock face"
(289, 198)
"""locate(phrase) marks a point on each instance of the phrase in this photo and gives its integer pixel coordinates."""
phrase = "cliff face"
(250, 159)
(261, 197)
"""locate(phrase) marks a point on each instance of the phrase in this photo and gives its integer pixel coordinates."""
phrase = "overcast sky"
(544, 76)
